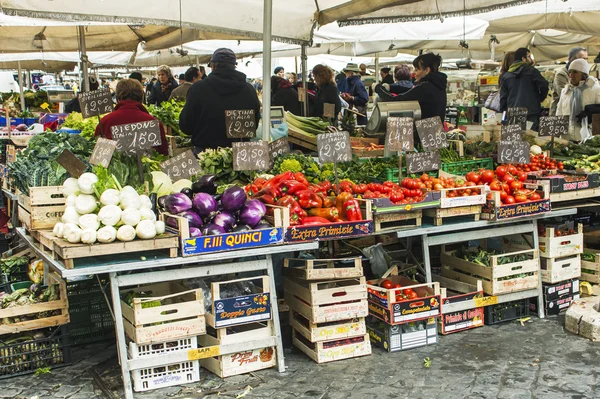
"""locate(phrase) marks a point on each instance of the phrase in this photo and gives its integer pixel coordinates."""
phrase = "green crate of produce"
(392, 174)
(91, 319)
(463, 167)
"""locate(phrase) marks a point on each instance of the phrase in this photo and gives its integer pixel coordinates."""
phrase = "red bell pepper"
(268, 192)
(352, 210)
(291, 187)
(314, 220)
(327, 202)
(296, 212)
(309, 199)
(328, 213)
(276, 180)
(299, 176)
(325, 185)
(340, 200)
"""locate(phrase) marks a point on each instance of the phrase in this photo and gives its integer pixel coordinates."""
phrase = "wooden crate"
(236, 334)
(173, 149)
(302, 139)
(328, 313)
(240, 363)
(42, 208)
(363, 141)
(396, 221)
(326, 292)
(364, 152)
(324, 352)
(317, 332)
(60, 304)
(555, 270)
(438, 215)
(245, 309)
(459, 201)
(590, 271)
(67, 253)
(552, 246)
(495, 210)
(322, 269)
(497, 279)
(180, 315)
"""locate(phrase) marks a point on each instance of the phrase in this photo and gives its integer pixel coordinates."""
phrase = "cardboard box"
(556, 306)
(401, 337)
(555, 291)
(463, 320)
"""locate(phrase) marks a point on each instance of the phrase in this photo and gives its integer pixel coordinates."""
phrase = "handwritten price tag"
(423, 161)
(431, 132)
(334, 147)
(95, 102)
(279, 147)
(133, 137)
(240, 123)
(513, 152)
(182, 166)
(516, 116)
(511, 133)
(103, 152)
(399, 134)
(554, 126)
(252, 155)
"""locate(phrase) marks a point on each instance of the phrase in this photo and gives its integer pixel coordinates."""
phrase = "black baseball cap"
(224, 56)
(182, 76)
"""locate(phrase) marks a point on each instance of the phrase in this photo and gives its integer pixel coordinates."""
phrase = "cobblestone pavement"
(537, 360)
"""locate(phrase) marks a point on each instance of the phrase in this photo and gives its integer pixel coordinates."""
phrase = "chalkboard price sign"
(252, 155)
(279, 147)
(431, 132)
(334, 147)
(511, 133)
(133, 137)
(513, 152)
(182, 166)
(95, 102)
(554, 125)
(399, 134)
(71, 163)
(240, 123)
(516, 116)
(103, 152)
(423, 161)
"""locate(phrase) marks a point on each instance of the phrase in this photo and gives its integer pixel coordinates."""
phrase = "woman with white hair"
(581, 90)
(161, 91)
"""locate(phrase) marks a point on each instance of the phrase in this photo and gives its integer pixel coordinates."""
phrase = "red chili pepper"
(309, 199)
(352, 210)
(292, 186)
(314, 220)
(296, 212)
(260, 182)
(267, 199)
(300, 177)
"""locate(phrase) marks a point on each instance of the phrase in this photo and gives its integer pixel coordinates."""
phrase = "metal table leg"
(121, 341)
(426, 259)
(275, 309)
(536, 243)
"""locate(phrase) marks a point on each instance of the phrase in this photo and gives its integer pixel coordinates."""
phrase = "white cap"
(580, 65)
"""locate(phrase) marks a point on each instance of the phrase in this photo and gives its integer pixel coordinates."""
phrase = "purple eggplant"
(177, 203)
(263, 225)
(188, 192)
(171, 222)
(226, 220)
(204, 204)
(233, 199)
(193, 219)
(212, 230)
(205, 184)
(161, 201)
(195, 232)
(241, 227)
(252, 213)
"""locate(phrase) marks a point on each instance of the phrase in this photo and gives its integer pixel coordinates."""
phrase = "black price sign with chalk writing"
(399, 134)
(251, 155)
(95, 102)
(423, 161)
(182, 166)
(516, 116)
(431, 132)
(511, 133)
(103, 152)
(334, 147)
(240, 123)
(133, 137)
(279, 147)
(554, 126)
(513, 152)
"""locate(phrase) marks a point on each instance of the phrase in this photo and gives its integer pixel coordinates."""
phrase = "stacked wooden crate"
(328, 306)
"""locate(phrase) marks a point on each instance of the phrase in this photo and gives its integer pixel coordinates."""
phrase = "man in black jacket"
(523, 86)
(203, 116)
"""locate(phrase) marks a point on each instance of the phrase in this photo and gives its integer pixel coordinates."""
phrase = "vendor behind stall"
(192, 75)
(203, 116)
(129, 109)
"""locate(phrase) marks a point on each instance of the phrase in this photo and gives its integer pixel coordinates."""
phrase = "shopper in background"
(386, 77)
(561, 78)
(279, 71)
(363, 70)
(192, 75)
(403, 81)
(161, 90)
(581, 90)
(137, 76)
(326, 91)
(149, 86)
(355, 93)
(202, 74)
(508, 60)
(73, 105)
(203, 116)
(292, 78)
(429, 90)
(181, 78)
(129, 109)
(523, 86)
(284, 95)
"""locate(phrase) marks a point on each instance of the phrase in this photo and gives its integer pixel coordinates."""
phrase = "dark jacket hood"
(438, 79)
(226, 81)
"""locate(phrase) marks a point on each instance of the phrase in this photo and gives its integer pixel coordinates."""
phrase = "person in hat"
(561, 77)
(137, 76)
(386, 77)
(73, 105)
(355, 93)
(192, 75)
(161, 90)
(582, 90)
(203, 116)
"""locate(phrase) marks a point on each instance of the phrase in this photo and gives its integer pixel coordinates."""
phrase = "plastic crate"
(91, 319)
(19, 355)
(165, 375)
(463, 167)
(508, 311)
(392, 174)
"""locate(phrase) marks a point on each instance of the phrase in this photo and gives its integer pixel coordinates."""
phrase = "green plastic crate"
(462, 167)
(392, 174)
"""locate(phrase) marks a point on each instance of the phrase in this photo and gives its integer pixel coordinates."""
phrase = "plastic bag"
(493, 101)
(379, 259)
(277, 132)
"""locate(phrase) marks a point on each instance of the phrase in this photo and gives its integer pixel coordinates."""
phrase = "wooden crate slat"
(324, 293)
(322, 269)
(554, 270)
(327, 313)
(316, 332)
(319, 354)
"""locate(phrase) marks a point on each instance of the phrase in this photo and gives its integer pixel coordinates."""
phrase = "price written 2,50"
(255, 155)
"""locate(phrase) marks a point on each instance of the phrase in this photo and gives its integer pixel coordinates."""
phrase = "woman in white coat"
(582, 90)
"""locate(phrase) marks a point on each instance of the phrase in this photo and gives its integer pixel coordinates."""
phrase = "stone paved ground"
(537, 360)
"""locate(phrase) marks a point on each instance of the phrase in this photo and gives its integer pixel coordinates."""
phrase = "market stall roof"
(239, 17)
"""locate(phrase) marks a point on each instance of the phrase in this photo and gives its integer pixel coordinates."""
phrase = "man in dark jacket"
(523, 86)
(203, 116)
(355, 93)
(430, 88)
(284, 95)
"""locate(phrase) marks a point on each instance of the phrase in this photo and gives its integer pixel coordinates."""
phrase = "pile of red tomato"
(508, 180)
(401, 295)
(540, 162)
